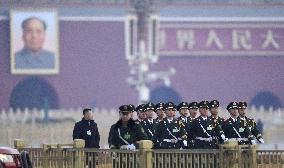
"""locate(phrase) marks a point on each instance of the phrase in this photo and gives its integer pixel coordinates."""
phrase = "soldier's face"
(142, 115)
(242, 112)
(125, 116)
(184, 112)
(234, 112)
(150, 114)
(170, 112)
(203, 111)
(214, 110)
(160, 113)
(193, 112)
(34, 35)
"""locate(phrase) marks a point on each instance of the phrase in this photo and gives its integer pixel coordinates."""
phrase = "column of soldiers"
(187, 131)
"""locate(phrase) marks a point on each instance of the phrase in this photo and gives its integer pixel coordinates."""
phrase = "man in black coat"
(125, 133)
(87, 129)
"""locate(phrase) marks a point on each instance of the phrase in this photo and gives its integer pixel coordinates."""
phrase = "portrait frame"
(44, 60)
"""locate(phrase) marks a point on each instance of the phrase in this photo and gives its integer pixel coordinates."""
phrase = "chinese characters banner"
(223, 38)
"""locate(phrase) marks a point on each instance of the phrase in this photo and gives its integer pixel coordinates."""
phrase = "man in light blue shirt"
(33, 56)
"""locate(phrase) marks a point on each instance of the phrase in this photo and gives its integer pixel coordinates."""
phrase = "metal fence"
(228, 156)
(186, 158)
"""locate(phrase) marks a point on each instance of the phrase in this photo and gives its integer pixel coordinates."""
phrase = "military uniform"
(217, 122)
(236, 129)
(159, 106)
(139, 109)
(169, 133)
(203, 130)
(149, 125)
(251, 123)
(125, 136)
(185, 123)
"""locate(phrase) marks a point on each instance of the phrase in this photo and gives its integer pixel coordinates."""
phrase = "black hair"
(86, 110)
(26, 21)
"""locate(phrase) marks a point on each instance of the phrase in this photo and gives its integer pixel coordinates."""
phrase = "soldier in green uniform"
(159, 109)
(202, 128)
(251, 123)
(217, 121)
(125, 132)
(149, 124)
(169, 133)
(193, 109)
(184, 120)
(236, 129)
(141, 115)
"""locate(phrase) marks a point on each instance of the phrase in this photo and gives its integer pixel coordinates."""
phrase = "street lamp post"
(146, 53)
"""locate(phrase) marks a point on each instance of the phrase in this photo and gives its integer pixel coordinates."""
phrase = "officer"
(125, 132)
(251, 123)
(236, 129)
(217, 120)
(203, 129)
(183, 111)
(87, 129)
(193, 108)
(185, 122)
(133, 107)
(169, 133)
(159, 109)
(141, 115)
(149, 124)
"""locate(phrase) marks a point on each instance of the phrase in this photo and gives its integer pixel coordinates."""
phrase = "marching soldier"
(185, 123)
(193, 108)
(251, 123)
(133, 107)
(236, 129)
(149, 124)
(140, 114)
(203, 129)
(169, 133)
(125, 132)
(217, 120)
(159, 109)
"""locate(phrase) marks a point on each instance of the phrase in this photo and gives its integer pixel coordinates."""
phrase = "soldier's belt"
(204, 139)
(169, 140)
(238, 139)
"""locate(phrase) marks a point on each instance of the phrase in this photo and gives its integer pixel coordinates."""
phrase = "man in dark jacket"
(87, 129)
(125, 133)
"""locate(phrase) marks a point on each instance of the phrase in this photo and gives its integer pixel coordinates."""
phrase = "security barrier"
(230, 155)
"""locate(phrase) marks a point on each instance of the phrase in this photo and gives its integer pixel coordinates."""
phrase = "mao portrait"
(34, 42)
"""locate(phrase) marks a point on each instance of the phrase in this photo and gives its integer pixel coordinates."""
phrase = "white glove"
(261, 140)
(184, 142)
(223, 137)
(131, 147)
(253, 142)
(124, 147)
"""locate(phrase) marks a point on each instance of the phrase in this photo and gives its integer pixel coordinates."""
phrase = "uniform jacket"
(236, 129)
(125, 135)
